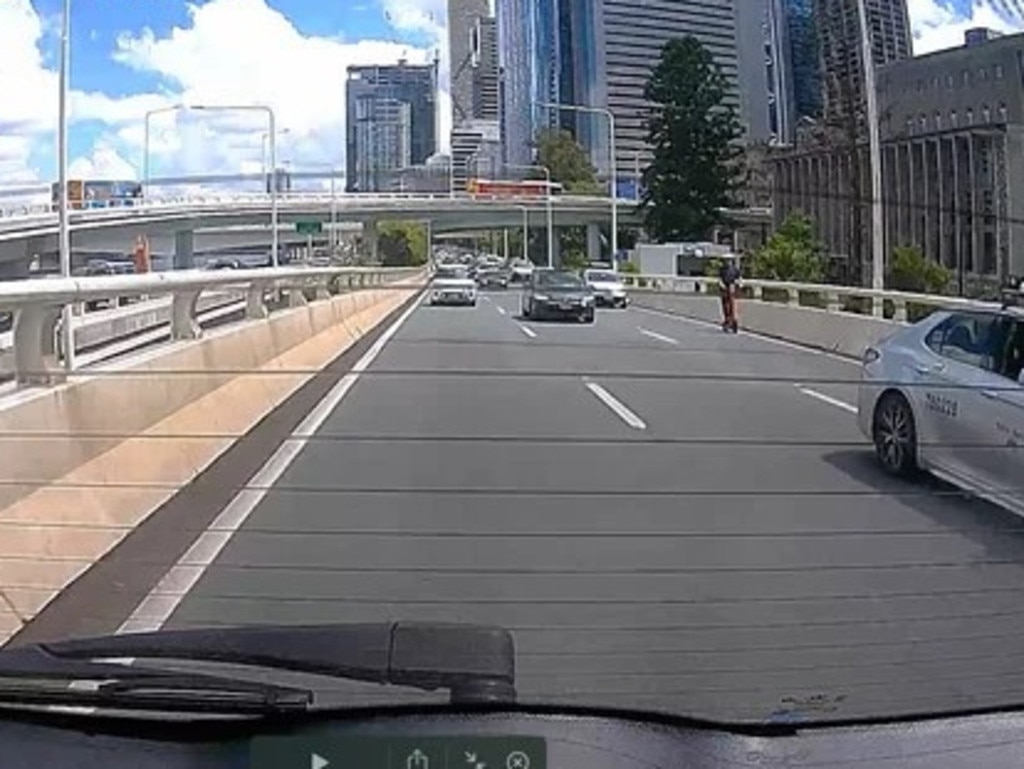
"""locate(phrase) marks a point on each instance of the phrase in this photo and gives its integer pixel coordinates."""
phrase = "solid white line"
(656, 335)
(621, 410)
(501, 310)
(157, 607)
(827, 399)
(486, 298)
(754, 334)
(528, 331)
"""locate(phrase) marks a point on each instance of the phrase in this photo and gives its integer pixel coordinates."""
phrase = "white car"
(452, 285)
(947, 395)
(608, 288)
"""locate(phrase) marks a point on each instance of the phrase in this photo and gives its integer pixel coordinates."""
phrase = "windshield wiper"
(476, 664)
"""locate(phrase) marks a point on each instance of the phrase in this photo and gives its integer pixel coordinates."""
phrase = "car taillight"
(871, 355)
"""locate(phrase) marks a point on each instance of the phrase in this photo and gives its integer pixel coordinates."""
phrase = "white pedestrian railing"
(37, 305)
(900, 306)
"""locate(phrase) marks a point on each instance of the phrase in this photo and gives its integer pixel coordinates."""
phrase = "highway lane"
(730, 551)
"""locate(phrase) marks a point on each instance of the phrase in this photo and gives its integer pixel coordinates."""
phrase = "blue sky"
(131, 56)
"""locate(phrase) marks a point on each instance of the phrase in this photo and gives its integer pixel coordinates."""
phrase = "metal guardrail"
(894, 305)
(44, 210)
(37, 305)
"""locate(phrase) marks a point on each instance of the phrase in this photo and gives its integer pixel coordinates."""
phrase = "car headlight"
(588, 300)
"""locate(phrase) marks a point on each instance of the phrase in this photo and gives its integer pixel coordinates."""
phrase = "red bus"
(511, 189)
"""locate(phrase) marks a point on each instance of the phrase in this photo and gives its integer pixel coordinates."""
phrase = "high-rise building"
(796, 81)
(839, 35)
(472, 44)
(756, 63)
(391, 122)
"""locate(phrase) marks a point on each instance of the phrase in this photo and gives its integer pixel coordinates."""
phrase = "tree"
(568, 162)
(402, 244)
(791, 253)
(909, 270)
(694, 133)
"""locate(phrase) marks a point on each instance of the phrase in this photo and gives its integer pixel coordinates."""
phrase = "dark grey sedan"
(558, 294)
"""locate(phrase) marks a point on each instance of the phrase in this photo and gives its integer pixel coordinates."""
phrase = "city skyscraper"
(796, 77)
(839, 34)
(391, 122)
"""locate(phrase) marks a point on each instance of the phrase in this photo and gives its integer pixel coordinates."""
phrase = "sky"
(133, 56)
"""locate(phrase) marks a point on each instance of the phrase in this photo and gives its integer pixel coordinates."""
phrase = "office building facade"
(391, 114)
(840, 50)
(796, 82)
(952, 134)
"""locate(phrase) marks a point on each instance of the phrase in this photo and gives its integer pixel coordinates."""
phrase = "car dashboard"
(500, 740)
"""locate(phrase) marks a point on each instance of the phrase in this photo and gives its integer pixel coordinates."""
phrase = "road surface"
(663, 515)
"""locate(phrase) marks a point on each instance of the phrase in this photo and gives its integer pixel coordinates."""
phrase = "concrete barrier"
(82, 464)
(838, 332)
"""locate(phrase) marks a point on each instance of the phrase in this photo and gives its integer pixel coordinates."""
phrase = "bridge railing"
(43, 209)
(37, 305)
(898, 306)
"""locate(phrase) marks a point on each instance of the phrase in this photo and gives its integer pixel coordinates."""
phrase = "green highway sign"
(309, 228)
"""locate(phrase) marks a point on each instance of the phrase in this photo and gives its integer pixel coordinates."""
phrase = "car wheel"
(588, 317)
(895, 435)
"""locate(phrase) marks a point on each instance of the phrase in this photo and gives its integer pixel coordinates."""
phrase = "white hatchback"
(947, 395)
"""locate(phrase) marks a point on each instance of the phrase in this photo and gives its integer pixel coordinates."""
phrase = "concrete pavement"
(665, 516)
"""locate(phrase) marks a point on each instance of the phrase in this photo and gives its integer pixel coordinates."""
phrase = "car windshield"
(558, 280)
(791, 492)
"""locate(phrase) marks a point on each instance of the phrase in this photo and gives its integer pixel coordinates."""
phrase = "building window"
(920, 86)
(938, 121)
(910, 125)
(983, 73)
(1002, 113)
(953, 119)
(970, 117)
(966, 76)
(924, 123)
(999, 71)
(949, 81)
(986, 114)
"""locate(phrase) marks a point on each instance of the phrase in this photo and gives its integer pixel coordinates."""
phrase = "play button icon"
(318, 762)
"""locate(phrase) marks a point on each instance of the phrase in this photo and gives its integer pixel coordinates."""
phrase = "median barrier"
(85, 462)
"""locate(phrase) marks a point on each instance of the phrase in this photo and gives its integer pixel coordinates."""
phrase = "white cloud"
(938, 25)
(229, 52)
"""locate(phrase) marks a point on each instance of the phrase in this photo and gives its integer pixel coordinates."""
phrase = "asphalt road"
(665, 516)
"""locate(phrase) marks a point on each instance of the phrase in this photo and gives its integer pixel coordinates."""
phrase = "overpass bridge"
(645, 499)
(33, 230)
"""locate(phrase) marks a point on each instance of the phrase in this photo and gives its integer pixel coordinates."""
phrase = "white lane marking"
(620, 409)
(157, 607)
(501, 310)
(528, 331)
(827, 399)
(754, 334)
(656, 335)
(486, 298)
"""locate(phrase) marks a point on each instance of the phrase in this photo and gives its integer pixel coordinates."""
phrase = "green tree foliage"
(792, 253)
(402, 244)
(695, 168)
(568, 161)
(910, 271)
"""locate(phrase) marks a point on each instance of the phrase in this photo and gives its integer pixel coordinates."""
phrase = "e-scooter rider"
(728, 283)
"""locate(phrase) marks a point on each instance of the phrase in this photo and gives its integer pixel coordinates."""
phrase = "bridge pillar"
(370, 239)
(593, 242)
(184, 250)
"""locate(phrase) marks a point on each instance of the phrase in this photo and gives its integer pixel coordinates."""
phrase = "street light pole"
(875, 152)
(145, 142)
(613, 193)
(64, 234)
(550, 213)
(272, 132)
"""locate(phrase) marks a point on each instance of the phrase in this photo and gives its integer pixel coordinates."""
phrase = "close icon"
(517, 760)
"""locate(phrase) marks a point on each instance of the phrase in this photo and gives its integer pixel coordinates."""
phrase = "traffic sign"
(309, 228)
